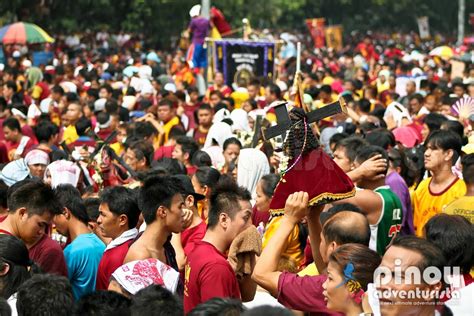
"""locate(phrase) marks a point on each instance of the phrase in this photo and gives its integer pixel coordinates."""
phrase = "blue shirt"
(82, 259)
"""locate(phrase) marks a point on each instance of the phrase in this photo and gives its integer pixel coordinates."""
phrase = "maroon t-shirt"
(104, 133)
(28, 131)
(199, 137)
(259, 217)
(208, 275)
(303, 293)
(163, 151)
(49, 256)
(111, 260)
(82, 141)
(190, 236)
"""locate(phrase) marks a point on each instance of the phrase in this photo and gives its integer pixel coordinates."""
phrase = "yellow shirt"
(463, 206)
(319, 103)
(292, 249)
(310, 269)
(118, 148)
(426, 204)
(70, 134)
(163, 138)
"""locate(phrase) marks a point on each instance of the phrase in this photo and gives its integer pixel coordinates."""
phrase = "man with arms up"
(306, 293)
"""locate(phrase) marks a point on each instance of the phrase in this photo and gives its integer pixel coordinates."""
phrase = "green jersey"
(389, 223)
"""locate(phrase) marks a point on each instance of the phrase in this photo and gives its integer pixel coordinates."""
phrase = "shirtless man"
(161, 203)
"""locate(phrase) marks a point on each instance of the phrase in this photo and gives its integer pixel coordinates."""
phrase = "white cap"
(195, 10)
(171, 87)
(26, 63)
(282, 85)
(44, 105)
(68, 86)
(99, 105)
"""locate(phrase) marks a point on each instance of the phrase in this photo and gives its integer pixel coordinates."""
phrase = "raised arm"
(266, 272)
(369, 168)
(315, 229)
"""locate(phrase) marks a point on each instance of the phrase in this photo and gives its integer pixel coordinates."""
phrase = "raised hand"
(296, 206)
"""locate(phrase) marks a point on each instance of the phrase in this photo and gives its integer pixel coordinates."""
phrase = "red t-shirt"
(49, 256)
(208, 275)
(111, 260)
(190, 236)
(191, 170)
(303, 293)
(163, 151)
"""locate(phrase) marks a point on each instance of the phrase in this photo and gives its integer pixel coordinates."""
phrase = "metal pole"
(206, 8)
(461, 10)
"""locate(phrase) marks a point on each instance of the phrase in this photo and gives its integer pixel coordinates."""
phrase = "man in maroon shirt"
(204, 116)
(306, 293)
(184, 150)
(208, 274)
(118, 217)
(17, 144)
(32, 205)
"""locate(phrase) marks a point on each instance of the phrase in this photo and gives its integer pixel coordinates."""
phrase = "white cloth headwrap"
(220, 132)
(63, 172)
(240, 120)
(252, 166)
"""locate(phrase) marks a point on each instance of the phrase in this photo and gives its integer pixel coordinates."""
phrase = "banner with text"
(240, 60)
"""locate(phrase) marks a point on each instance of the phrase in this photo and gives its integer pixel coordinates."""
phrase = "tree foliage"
(161, 21)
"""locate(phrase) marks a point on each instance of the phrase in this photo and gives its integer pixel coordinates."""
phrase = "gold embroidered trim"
(317, 199)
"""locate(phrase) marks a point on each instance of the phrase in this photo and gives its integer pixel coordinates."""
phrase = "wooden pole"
(298, 57)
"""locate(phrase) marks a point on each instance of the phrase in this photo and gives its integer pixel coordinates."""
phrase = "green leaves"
(161, 21)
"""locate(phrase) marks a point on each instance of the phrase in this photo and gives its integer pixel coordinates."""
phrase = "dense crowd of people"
(130, 186)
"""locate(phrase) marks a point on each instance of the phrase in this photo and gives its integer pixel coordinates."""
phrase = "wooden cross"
(284, 121)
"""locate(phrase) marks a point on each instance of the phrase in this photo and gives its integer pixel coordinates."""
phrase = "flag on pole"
(334, 37)
(316, 29)
(423, 27)
(299, 96)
